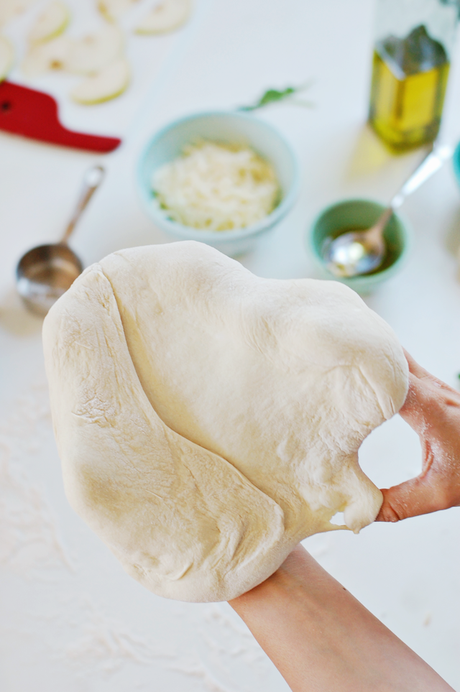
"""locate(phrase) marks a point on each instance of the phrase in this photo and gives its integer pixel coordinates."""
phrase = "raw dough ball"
(207, 419)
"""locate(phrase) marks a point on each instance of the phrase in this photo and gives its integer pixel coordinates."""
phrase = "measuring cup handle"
(92, 180)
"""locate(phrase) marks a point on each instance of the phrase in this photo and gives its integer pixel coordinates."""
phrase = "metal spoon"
(46, 272)
(363, 251)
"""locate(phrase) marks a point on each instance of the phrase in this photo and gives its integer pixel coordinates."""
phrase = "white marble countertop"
(70, 618)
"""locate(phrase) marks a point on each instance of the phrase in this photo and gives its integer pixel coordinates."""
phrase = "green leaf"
(275, 95)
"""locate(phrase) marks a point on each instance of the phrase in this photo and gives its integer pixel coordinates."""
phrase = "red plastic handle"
(34, 114)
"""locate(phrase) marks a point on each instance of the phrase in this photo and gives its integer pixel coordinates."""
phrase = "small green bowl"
(359, 214)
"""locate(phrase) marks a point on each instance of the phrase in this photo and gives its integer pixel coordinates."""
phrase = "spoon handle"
(375, 233)
(92, 180)
(429, 165)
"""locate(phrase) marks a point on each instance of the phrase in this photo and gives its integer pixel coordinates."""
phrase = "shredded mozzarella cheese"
(217, 187)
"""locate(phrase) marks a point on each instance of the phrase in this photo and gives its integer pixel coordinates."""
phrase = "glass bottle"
(412, 53)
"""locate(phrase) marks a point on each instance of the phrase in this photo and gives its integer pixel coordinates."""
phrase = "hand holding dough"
(207, 419)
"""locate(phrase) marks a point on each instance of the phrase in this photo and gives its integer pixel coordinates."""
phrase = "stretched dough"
(207, 419)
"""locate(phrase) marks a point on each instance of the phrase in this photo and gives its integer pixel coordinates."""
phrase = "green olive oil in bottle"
(409, 77)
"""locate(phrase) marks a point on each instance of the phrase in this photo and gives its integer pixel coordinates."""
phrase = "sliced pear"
(111, 10)
(92, 53)
(10, 9)
(50, 55)
(6, 57)
(50, 23)
(107, 84)
(165, 17)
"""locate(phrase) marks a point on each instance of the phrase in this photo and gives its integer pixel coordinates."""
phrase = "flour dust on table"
(31, 545)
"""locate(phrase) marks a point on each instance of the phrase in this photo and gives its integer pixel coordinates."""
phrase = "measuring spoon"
(46, 272)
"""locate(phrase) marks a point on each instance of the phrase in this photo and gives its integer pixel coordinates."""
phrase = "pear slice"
(165, 17)
(92, 53)
(10, 9)
(49, 55)
(6, 57)
(107, 84)
(50, 23)
(111, 10)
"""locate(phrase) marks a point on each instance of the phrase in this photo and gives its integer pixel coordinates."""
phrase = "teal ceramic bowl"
(456, 162)
(360, 214)
(228, 128)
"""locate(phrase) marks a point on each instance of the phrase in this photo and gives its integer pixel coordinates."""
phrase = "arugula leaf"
(275, 95)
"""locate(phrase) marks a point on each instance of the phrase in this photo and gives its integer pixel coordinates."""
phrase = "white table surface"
(70, 618)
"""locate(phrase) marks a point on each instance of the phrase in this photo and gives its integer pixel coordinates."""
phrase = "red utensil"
(34, 114)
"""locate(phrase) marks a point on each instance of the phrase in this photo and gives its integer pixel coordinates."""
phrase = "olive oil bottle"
(409, 77)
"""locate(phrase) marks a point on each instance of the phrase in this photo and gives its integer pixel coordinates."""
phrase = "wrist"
(320, 637)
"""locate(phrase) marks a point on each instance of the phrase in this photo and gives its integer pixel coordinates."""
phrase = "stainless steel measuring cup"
(44, 273)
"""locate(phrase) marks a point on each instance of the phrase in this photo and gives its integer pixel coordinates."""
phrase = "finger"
(422, 374)
(414, 367)
(410, 499)
(417, 370)
(426, 404)
(418, 401)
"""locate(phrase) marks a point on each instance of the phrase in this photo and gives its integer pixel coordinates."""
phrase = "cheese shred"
(217, 187)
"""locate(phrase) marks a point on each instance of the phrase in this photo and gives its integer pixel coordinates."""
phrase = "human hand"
(432, 409)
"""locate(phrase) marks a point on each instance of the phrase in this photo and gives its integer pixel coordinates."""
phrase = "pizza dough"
(207, 419)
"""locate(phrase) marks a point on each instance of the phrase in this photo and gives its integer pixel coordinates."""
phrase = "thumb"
(410, 499)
